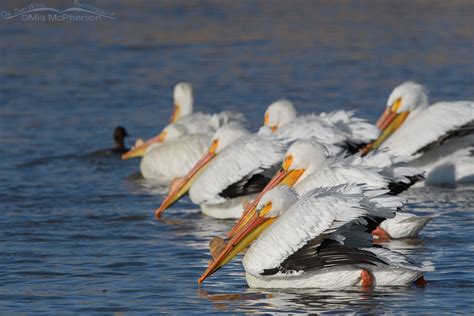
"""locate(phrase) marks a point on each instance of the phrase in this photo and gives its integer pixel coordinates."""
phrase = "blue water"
(77, 233)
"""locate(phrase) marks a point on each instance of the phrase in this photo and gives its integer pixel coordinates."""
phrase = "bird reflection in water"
(307, 300)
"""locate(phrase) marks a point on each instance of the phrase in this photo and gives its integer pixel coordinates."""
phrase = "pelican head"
(409, 96)
(279, 113)
(404, 102)
(183, 101)
(275, 201)
(272, 204)
(170, 132)
(227, 135)
(223, 137)
(301, 159)
(173, 131)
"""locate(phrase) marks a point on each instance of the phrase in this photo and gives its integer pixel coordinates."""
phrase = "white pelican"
(233, 172)
(195, 123)
(439, 137)
(307, 166)
(237, 165)
(178, 153)
(339, 126)
(321, 240)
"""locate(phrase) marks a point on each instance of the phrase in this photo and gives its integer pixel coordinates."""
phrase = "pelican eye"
(287, 162)
(265, 209)
(267, 119)
(213, 147)
(396, 105)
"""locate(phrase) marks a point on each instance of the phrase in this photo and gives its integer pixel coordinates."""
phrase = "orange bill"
(277, 178)
(255, 226)
(392, 123)
(181, 187)
(383, 118)
(140, 150)
(176, 114)
(283, 176)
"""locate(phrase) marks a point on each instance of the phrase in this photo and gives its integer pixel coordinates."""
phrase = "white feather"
(405, 225)
(428, 125)
(312, 127)
(200, 123)
(244, 158)
(174, 158)
(360, 130)
(317, 212)
(377, 170)
(333, 175)
(398, 260)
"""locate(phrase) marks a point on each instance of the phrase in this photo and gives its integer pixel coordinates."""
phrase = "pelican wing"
(235, 168)
(397, 187)
(174, 158)
(198, 123)
(313, 127)
(434, 126)
(223, 118)
(337, 174)
(464, 130)
(326, 253)
(398, 260)
(393, 168)
(250, 184)
(361, 131)
(318, 214)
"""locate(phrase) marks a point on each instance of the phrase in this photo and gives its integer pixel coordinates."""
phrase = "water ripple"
(77, 231)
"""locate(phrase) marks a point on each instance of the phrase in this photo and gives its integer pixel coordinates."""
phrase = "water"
(77, 234)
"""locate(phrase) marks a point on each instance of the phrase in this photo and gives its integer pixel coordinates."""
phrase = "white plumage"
(337, 174)
(201, 123)
(260, 154)
(405, 225)
(439, 138)
(198, 123)
(379, 169)
(312, 127)
(324, 213)
(282, 112)
(185, 121)
(359, 130)
(318, 211)
(429, 124)
(247, 157)
(340, 128)
(174, 158)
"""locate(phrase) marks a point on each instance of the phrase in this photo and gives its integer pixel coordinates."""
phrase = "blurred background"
(78, 236)
(322, 55)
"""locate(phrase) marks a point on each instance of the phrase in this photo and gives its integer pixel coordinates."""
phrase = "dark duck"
(120, 133)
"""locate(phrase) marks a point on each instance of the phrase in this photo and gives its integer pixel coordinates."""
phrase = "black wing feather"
(322, 253)
(249, 185)
(464, 130)
(398, 187)
(353, 148)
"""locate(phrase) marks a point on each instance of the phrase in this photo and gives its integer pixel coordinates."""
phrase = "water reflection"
(406, 246)
(309, 300)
